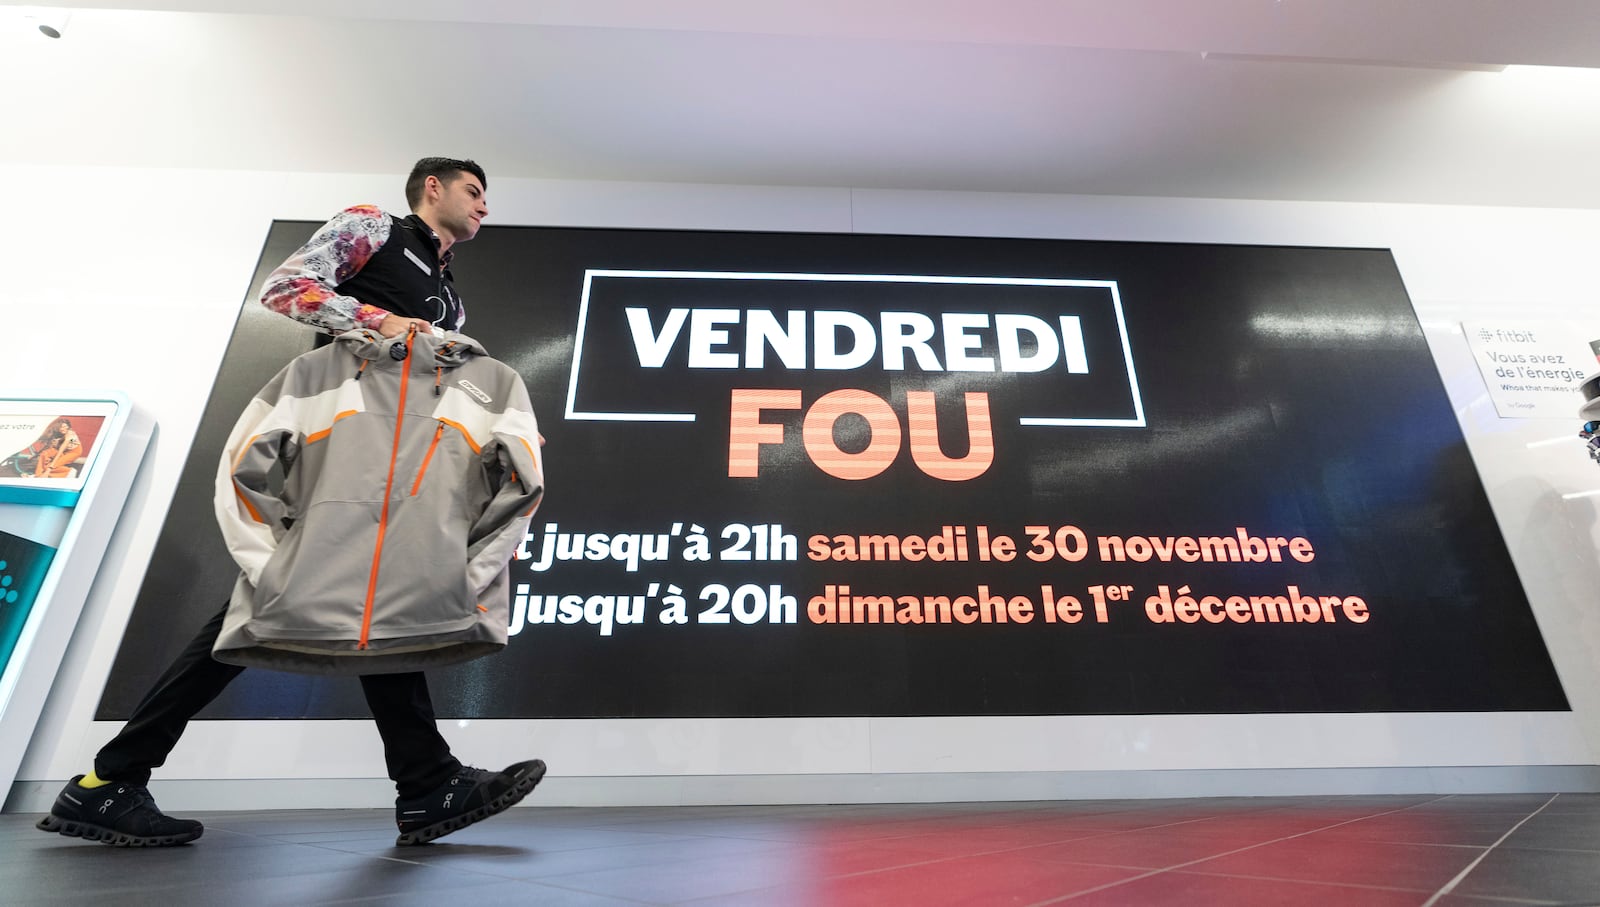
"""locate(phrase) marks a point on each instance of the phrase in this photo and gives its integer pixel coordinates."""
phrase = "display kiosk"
(67, 463)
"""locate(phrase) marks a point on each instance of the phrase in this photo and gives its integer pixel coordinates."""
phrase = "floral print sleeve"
(303, 287)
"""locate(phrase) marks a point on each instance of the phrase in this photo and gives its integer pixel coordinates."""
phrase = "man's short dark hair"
(447, 169)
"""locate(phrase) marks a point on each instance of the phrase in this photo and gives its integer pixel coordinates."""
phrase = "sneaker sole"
(57, 825)
(498, 805)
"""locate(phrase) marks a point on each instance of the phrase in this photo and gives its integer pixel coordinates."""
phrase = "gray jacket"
(373, 494)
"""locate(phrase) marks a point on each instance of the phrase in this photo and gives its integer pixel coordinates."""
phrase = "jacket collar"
(421, 226)
(442, 349)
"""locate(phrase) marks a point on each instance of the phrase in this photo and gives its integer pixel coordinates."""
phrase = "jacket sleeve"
(304, 287)
(250, 513)
(513, 457)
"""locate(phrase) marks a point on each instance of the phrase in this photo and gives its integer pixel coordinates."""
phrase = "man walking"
(363, 269)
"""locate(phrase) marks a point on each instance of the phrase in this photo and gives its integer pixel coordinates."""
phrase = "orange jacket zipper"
(388, 489)
(427, 459)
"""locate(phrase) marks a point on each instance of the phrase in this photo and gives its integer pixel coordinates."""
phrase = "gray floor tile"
(1568, 877)
(612, 857)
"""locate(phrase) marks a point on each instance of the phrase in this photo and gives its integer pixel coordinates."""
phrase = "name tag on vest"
(419, 262)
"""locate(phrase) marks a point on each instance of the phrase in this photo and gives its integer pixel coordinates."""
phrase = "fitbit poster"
(861, 475)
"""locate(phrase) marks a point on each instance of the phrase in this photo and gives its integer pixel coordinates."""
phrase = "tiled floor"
(1344, 851)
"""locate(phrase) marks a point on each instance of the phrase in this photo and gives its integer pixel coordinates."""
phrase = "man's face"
(461, 206)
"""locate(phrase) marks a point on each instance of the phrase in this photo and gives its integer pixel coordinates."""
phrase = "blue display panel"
(23, 565)
(808, 475)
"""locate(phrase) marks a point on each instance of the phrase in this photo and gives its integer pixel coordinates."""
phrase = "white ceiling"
(1348, 100)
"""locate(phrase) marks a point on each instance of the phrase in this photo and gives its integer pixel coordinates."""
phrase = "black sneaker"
(122, 815)
(473, 795)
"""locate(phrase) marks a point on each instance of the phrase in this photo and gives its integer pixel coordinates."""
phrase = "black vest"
(405, 277)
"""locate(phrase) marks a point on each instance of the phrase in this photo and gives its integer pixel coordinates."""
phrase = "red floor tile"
(1274, 824)
(1317, 859)
(968, 841)
(1178, 889)
(976, 881)
(1408, 828)
(826, 861)
(1144, 849)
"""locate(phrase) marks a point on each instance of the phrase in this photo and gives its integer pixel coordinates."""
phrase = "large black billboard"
(825, 475)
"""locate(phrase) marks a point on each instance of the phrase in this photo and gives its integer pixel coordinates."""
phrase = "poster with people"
(46, 449)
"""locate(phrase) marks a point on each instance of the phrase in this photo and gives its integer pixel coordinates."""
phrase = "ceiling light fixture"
(49, 21)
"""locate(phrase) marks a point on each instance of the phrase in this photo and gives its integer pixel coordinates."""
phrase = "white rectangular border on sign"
(1138, 420)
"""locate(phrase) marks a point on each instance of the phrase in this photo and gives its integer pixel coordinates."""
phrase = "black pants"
(418, 757)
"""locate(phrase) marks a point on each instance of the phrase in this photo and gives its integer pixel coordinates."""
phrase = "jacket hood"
(442, 349)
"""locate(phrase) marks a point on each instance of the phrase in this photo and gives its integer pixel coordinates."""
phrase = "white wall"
(133, 277)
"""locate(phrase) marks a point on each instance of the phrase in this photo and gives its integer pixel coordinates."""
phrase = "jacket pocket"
(422, 588)
(426, 459)
(314, 586)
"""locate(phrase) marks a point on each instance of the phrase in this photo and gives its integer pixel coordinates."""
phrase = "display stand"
(67, 463)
